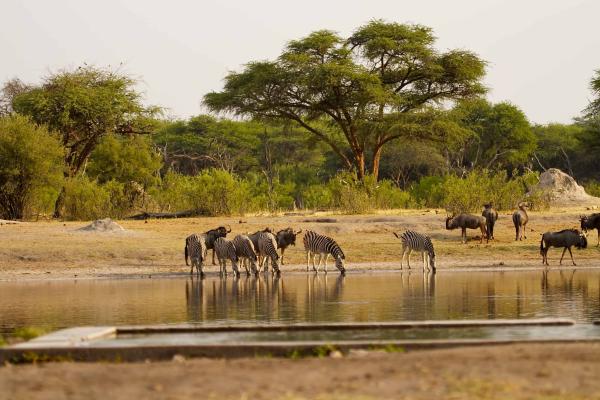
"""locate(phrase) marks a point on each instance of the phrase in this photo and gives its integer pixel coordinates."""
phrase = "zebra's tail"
(186, 254)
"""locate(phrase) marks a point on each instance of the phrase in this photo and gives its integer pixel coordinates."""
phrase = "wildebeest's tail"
(186, 254)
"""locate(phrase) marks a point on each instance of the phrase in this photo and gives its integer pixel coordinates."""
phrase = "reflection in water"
(303, 298)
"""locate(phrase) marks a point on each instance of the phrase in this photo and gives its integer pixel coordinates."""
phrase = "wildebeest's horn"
(229, 228)
(395, 234)
(299, 232)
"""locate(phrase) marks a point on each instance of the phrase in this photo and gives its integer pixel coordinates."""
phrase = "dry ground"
(56, 249)
(504, 372)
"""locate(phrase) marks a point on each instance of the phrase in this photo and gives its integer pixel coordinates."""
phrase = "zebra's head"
(339, 263)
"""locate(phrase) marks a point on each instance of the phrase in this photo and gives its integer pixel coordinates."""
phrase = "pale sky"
(541, 53)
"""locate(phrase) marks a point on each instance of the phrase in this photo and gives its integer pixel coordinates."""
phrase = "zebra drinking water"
(322, 245)
(225, 250)
(244, 249)
(195, 248)
(414, 241)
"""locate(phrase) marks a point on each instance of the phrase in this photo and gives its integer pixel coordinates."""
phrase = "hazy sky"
(541, 53)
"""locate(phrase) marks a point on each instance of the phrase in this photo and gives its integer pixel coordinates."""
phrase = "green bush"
(349, 194)
(388, 196)
(429, 192)
(592, 188)
(212, 192)
(85, 199)
(31, 167)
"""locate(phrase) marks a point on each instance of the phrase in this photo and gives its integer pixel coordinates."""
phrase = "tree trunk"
(376, 160)
(60, 202)
(360, 165)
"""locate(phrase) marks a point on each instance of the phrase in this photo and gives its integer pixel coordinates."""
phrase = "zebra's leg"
(408, 257)
(307, 259)
(402, 258)
(325, 264)
(563, 254)
(316, 269)
(571, 253)
(424, 260)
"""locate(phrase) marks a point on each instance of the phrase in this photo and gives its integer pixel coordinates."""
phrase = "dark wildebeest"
(591, 222)
(464, 222)
(211, 236)
(491, 216)
(285, 238)
(566, 238)
(520, 219)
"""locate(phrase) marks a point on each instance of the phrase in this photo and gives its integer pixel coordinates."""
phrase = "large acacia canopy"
(356, 94)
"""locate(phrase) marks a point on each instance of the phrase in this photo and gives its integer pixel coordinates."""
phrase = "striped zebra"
(244, 249)
(225, 250)
(195, 249)
(322, 245)
(414, 241)
(266, 245)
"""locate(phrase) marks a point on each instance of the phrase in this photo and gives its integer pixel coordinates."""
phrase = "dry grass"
(58, 249)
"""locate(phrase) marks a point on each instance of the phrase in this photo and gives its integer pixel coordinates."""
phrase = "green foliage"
(213, 192)
(592, 188)
(468, 194)
(501, 136)
(130, 159)
(30, 168)
(29, 332)
(85, 199)
(359, 87)
(429, 191)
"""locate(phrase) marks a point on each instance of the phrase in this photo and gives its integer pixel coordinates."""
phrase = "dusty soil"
(45, 250)
(503, 372)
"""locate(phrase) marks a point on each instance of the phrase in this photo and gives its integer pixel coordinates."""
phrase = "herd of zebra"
(253, 251)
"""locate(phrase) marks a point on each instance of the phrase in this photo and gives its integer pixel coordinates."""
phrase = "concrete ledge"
(70, 337)
(190, 328)
(248, 349)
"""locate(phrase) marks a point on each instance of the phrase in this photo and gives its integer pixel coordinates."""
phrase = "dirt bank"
(43, 250)
(503, 372)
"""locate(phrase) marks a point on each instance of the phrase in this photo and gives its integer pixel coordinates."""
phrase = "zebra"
(263, 241)
(225, 250)
(244, 249)
(322, 245)
(414, 241)
(195, 248)
(212, 235)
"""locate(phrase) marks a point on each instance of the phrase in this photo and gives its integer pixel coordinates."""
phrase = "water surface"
(573, 294)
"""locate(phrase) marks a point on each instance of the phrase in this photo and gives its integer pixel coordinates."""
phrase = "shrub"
(31, 167)
(429, 192)
(349, 194)
(213, 192)
(85, 199)
(592, 188)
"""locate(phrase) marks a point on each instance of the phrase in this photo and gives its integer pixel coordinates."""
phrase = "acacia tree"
(355, 94)
(82, 106)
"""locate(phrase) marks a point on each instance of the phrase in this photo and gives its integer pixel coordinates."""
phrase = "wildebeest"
(591, 222)
(520, 219)
(566, 238)
(466, 221)
(491, 216)
(211, 236)
(285, 238)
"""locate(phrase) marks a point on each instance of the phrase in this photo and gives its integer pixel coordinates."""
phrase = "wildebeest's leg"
(213, 257)
(483, 230)
(282, 251)
(571, 253)
(563, 254)
(524, 231)
(598, 230)
(463, 235)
